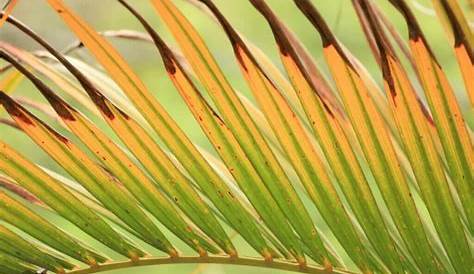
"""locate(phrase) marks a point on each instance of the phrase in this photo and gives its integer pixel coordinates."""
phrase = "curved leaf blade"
(241, 125)
(92, 177)
(16, 246)
(16, 214)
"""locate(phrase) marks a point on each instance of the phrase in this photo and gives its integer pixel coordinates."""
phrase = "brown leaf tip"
(414, 30)
(231, 33)
(57, 103)
(168, 60)
(459, 35)
(13, 108)
(280, 36)
(165, 51)
(101, 102)
(62, 108)
(20, 113)
(122, 113)
(327, 37)
(317, 20)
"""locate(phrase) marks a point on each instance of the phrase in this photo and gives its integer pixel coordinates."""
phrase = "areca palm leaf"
(319, 176)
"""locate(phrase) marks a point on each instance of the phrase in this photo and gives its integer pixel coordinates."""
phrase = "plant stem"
(242, 261)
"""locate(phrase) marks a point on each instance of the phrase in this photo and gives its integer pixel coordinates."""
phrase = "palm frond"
(321, 175)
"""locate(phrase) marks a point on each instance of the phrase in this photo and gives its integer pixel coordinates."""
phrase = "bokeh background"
(108, 15)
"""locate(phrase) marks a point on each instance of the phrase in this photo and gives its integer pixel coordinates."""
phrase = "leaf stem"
(242, 261)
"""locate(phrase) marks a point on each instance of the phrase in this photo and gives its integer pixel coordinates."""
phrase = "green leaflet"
(61, 200)
(16, 246)
(241, 124)
(104, 187)
(16, 214)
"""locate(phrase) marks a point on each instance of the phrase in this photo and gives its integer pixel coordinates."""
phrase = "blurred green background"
(108, 15)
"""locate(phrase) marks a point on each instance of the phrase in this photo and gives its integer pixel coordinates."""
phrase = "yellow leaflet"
(427, 165)
(375, 140)
(450, 124)
(18, 215)
(91, 176)
(467, 69)
(237, 163)
(240, 123)
(153, 112)
(302, 155)
(11, 81)
(462, 38)
(137, 182)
